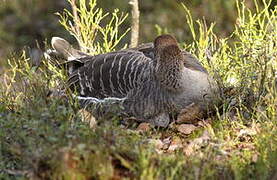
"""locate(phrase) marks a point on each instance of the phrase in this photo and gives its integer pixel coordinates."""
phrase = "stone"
(186, 128)
(144, 127)
(190, 114)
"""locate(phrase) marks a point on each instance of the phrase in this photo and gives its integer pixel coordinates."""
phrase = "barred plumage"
(154, 79)
(111, 75)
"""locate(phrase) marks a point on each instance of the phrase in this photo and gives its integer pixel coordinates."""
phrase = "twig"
(76, 20)
(16, 172)
(135, 23)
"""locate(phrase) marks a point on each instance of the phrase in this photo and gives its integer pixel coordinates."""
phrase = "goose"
(150, 82)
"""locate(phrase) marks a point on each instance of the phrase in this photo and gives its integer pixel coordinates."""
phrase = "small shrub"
(86, 26)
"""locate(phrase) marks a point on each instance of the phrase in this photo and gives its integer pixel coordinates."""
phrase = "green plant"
(87, 26)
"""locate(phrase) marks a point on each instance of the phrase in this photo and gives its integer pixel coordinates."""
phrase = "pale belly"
(198, 88)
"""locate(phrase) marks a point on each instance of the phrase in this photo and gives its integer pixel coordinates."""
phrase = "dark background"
(33, 22)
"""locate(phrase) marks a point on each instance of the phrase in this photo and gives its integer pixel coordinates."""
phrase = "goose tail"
(63, 54)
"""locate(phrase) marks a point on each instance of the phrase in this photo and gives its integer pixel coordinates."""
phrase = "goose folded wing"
(110, 75)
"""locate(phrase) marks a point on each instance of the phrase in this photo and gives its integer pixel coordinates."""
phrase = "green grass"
(45, 137)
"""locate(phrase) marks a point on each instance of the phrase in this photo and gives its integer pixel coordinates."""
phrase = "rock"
(255, 157)
(175, 145)
(158, 145)
(204, 123)
(186, 128)
(144, 127)
(247, 132)
(88, 117)
(196, 144)
(190, 114)
(166, 142)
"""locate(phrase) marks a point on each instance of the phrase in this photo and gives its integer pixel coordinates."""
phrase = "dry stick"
(135, 23)
(76, 22)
